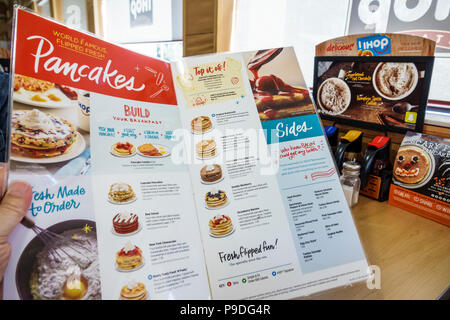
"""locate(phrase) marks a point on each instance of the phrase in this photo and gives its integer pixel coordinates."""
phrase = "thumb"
(13, 207)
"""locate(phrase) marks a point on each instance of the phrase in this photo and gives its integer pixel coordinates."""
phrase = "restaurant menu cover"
(208, 177)
(421, 177)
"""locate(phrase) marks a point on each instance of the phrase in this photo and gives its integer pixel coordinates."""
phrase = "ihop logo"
(377, 44)
(86, 110)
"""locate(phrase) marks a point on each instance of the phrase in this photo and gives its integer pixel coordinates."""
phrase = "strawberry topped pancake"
(36, 134)
(129, 257)
(123, 149)
(220, 225)
(411, 165)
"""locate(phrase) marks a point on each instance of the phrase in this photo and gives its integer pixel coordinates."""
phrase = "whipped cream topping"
(397, 78)
(37, 120)
(334, 95)
(132, 284)
(39, 125)
(125, 216)
(214, 191)
(128, 247)
(210, 168)
(120, 187)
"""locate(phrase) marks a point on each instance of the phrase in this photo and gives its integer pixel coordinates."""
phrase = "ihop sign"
(377, 44)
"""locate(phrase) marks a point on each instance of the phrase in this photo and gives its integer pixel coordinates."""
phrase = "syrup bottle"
(349, 149)
(376, 169)
(332, 136)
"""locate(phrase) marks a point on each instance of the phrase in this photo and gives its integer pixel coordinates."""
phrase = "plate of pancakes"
(39, 137)
(136, 291)
(123, 149)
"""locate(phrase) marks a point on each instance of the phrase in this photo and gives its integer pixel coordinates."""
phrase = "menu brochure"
(208, 177)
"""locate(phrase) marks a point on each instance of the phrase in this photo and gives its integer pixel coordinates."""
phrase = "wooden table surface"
(412, 252)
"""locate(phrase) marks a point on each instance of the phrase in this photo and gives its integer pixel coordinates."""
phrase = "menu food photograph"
(386, 94)
(278, 91)
(50, 127)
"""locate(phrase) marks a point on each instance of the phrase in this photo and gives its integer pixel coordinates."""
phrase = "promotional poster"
(377, 81)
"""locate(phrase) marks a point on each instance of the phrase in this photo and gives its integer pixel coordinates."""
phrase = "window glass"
(304, 24)
(150, 27)
(168, 51)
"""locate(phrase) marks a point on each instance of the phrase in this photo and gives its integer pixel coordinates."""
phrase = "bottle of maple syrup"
(332, 133)
(349, 148)
(376, 169)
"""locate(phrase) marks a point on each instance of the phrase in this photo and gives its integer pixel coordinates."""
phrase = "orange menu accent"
(419, 204)
(50, 51)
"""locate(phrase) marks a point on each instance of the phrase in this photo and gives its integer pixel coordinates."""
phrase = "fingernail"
(19, 188)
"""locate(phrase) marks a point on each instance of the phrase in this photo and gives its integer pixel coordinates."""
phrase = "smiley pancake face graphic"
(411, 165)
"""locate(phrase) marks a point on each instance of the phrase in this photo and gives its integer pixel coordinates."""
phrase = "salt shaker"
(350, 181)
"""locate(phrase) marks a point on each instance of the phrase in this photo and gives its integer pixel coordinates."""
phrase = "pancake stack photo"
(125, 222)
(120, 192)
(220, 225)
(211, 173)
(206, 149)
(129, 257)
(133, 291)
(36, 134)
(201, 124)
(124, 149)
(215, 199)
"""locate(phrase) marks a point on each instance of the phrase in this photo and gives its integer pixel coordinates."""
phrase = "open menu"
(208, 177)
